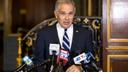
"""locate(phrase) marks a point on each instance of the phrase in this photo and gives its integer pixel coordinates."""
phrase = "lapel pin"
(77, 31)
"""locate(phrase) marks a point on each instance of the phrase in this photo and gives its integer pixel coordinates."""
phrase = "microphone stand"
(51, 68)
(52, 65)
(20, 69)
(59, 67)
(38, 65)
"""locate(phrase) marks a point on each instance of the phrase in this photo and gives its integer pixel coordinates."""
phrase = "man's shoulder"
(47, 29)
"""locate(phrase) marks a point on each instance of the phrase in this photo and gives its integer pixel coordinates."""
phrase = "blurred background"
(19, 16)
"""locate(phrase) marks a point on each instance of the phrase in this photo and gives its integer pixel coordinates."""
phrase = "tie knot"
(65, 30)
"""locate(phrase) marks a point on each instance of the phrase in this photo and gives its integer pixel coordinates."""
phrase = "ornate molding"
(117, 48)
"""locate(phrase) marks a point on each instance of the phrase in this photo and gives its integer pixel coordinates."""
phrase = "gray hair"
(59, 2)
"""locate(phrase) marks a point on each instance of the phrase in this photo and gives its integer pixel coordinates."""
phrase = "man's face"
(65, 14)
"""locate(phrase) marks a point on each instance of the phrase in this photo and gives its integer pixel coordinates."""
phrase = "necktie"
(66, 43)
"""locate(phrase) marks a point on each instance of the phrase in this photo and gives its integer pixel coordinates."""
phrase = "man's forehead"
(66, 7)
(65, 11)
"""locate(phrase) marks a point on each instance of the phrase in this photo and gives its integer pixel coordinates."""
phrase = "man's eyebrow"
(65, 12)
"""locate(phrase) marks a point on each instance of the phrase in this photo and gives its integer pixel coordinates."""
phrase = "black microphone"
(94, 65)
(92, 61)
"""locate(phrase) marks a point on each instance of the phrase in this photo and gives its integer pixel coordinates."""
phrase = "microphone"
(62, 60)
(54, 50)
(63, 57)
(78, 59)
(95, 66)
(90, 56)
(27, 62)
(86, 58)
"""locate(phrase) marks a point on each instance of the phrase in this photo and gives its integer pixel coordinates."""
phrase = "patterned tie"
(66, 43)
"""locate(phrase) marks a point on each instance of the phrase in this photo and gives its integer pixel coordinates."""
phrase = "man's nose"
(67, 17)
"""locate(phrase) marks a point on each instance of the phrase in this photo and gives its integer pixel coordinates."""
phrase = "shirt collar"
(61, 28)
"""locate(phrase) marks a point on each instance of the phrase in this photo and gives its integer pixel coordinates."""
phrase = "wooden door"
(115, 35)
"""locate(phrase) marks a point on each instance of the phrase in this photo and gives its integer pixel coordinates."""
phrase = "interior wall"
(1, 11)
(27, 13)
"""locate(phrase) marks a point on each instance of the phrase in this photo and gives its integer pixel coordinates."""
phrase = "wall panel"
(115, 35)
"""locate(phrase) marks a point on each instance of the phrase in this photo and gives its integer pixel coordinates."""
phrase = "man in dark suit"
(79, 37)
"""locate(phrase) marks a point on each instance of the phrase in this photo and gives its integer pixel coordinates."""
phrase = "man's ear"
(55, 13)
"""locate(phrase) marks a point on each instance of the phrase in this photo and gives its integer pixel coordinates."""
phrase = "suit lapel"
(54, 34)
(74, 46)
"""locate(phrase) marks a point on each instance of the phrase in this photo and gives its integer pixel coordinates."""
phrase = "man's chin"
(66, 26)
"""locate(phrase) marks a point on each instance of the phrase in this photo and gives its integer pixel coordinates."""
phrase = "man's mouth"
(66, 22)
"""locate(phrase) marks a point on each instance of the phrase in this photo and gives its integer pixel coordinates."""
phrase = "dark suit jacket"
(82, 41)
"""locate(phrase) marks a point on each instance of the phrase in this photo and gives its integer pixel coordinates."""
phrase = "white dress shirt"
(60, 31)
